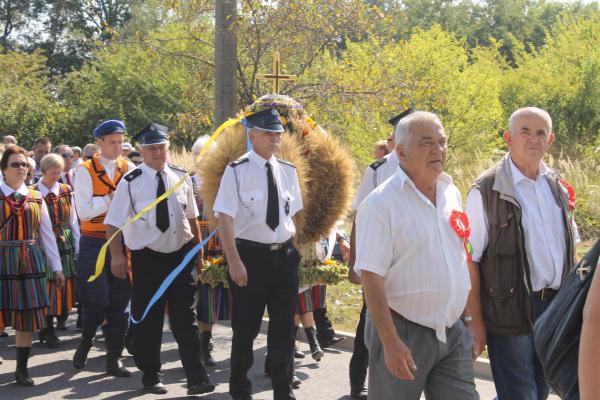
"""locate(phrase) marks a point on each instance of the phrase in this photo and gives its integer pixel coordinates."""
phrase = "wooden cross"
(276, 76)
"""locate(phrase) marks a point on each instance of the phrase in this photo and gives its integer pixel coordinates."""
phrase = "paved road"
(56, 378)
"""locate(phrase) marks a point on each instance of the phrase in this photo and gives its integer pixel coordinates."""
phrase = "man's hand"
(477, 329)
(353, 276)
(345, 249)
(59, 279)
(398, 360)
(118, 266)
(238, 272)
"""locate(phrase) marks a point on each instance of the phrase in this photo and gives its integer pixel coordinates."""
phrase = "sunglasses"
(67, 155)
(18, 165)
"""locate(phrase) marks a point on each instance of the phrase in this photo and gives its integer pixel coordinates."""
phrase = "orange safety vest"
(101, 186)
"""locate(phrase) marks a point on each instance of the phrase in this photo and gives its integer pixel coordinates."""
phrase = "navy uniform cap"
(152, 134)
(266, 120)
(398, 117)
(108, 127)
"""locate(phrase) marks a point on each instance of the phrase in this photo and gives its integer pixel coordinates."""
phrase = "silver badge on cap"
(273, 111)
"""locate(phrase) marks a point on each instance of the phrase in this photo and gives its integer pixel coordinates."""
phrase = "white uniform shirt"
(406, 239)
(374, 175)
(89, 206)
(542, 223)
(243, 195)
(47, 238)
(73, 222)
(144, 232)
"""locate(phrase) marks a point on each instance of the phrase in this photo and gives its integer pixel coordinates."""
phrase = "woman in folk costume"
(25, 237)
(61, 208)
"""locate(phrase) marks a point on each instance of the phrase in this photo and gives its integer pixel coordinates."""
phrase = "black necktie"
(162, 210)
(273, 200)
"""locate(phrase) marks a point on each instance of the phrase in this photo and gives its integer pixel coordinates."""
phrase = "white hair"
(402, 130)
(525, 111)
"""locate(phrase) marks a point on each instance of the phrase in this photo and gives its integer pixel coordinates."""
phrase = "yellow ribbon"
(102, 255)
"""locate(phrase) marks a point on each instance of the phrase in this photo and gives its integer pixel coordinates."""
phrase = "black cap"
(398, 117)
(152, 134)
(266, 120)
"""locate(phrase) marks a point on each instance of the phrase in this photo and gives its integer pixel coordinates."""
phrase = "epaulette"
(238, 162)
(286, 163)
(378, 163)
(176, 168)
(132, 175)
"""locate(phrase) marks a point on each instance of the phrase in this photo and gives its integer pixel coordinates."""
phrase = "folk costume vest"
(101, 186)
(504, 268)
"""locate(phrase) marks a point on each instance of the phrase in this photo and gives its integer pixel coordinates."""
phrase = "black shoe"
(152, 383)
(207, 358)
(296, 382)
(359, 394)
(81, 354)
(61, 325)
(199, 388)
(298, 353)
(243, 398)
(315, 350)
(157, 388)
(48, 336)
(23, 378)
(331, 342)
(21, 374)
(114, 367)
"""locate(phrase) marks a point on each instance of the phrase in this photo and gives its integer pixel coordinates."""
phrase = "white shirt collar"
(401, 178)
(44, 189)
(106, 161)
(259, 160)
(23, 190)
(151, 171)
(393, 157)
(517, 175)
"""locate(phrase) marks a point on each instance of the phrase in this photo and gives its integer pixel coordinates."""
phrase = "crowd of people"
(440, 280)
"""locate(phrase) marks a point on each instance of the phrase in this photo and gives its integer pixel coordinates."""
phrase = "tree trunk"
(226, 61)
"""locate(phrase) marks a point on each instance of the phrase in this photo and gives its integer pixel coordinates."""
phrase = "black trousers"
(272, 282)
(149, 269)
(325, 331)
(360, 356)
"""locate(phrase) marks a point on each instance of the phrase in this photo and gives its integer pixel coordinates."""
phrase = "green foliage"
(27, 107)
(371, 81)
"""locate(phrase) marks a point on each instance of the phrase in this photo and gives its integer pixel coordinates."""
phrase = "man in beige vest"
(523, 234)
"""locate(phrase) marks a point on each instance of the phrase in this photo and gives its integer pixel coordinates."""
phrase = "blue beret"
(394, 121)
(152, 134)
(110, 126)
(266, 120)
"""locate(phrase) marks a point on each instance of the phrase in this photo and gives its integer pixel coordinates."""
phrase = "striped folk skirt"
(23, 293)
(213, 304)
(319, 295)
(62, 300)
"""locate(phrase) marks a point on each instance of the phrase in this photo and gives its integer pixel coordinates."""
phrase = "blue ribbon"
(249, 146)
(171, 277)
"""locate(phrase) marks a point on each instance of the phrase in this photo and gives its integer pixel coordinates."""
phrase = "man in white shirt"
(258, 197)
(523, 236)
(375, 174)
(412, 259)
(159, 241)
(107, 297)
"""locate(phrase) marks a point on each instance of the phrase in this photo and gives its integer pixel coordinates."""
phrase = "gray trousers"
(445, 370)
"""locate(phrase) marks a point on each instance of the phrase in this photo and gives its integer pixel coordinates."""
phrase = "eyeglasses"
(67, 155)
(18, 165)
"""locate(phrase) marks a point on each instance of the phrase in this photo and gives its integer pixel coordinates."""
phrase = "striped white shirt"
(405, 238)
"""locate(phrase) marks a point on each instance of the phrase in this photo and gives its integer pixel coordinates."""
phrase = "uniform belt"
(545, 293)
(267, 246)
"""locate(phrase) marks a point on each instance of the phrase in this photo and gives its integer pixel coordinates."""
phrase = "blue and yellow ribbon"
(102, 255)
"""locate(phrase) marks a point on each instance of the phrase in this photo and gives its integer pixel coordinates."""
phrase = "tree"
(14, 15)
(226, 63)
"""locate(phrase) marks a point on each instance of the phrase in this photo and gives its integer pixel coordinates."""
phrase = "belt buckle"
(274, 246)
